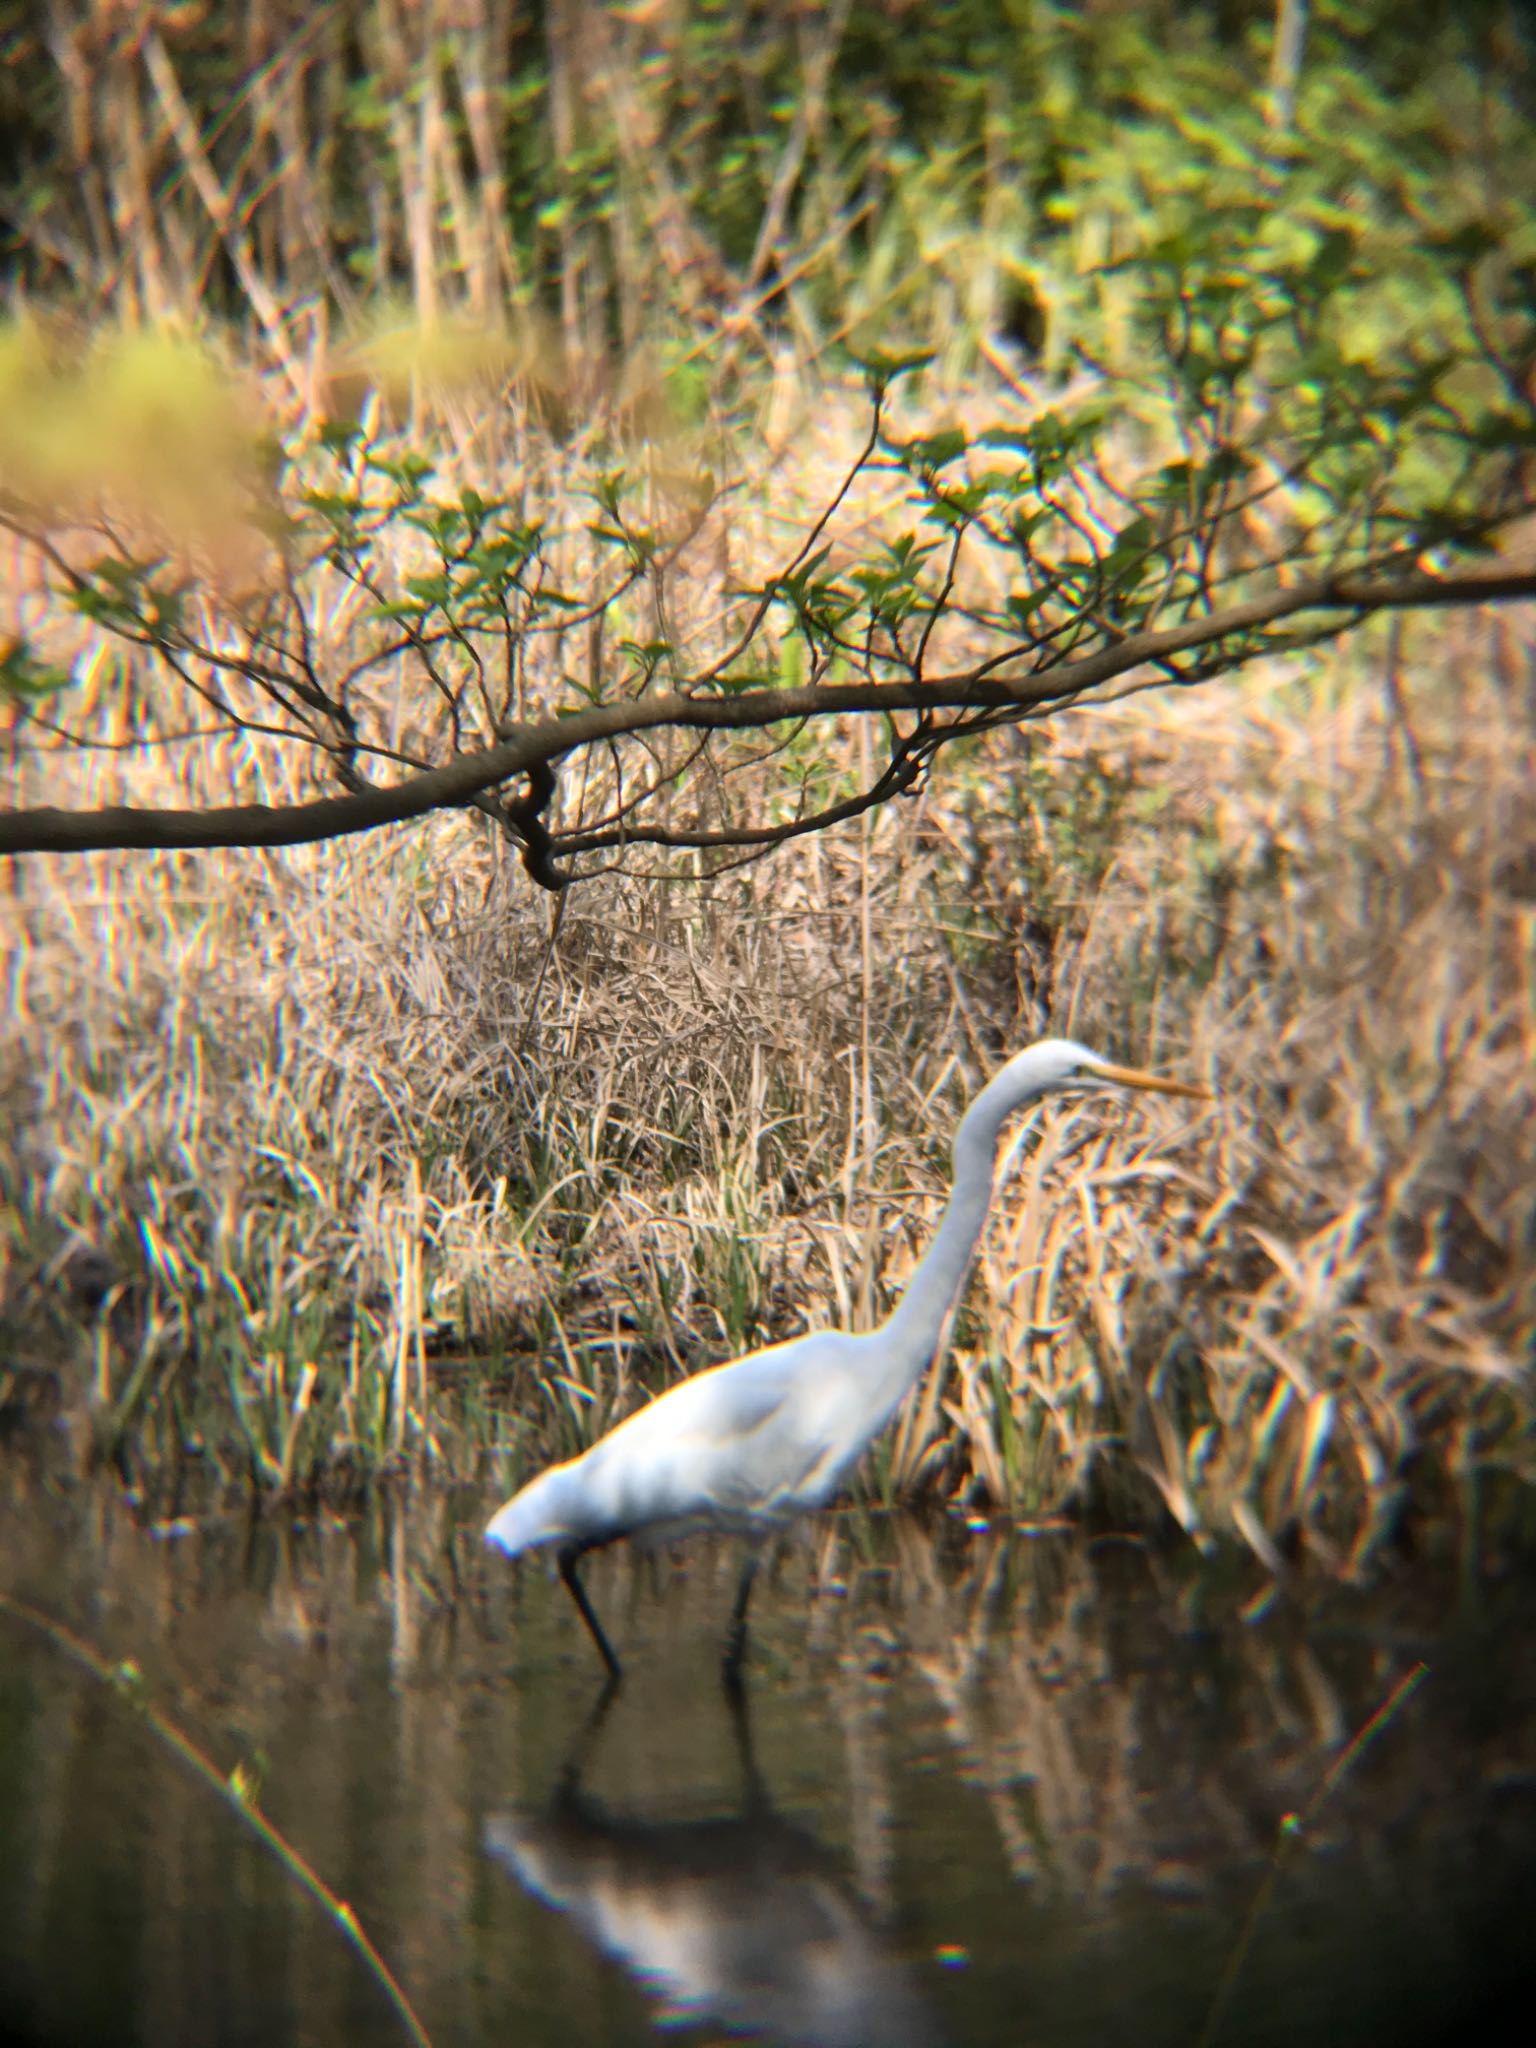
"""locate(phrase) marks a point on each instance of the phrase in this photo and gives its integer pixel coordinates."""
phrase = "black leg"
(736, 1638)
(754, 1798)
(568, 1561)
(568, 1784)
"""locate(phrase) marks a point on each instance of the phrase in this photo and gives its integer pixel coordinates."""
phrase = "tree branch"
(894, 779)
(527, 749)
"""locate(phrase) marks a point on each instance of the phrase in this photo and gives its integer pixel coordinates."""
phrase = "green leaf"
(881, 367)
(341, 510)
(1023, 607)
(1467, 242)
(27, 679)
(1131, 544)
(933, 451)
(338, 435)
(1171, 484)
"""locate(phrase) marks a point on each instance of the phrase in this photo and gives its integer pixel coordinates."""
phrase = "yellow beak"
(1133, 1077)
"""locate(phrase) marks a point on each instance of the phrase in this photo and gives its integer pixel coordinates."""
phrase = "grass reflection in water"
(992, 1790)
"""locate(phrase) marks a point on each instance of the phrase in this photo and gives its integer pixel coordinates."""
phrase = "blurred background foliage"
(708, 182)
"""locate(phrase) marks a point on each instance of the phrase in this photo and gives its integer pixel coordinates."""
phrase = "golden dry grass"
(344, 1153)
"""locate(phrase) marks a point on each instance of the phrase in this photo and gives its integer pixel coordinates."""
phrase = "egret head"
(1058, 1064)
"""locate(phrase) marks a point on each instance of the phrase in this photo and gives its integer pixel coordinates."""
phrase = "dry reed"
(336, 1156)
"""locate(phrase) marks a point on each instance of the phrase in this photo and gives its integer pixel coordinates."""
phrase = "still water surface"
(986, 1789)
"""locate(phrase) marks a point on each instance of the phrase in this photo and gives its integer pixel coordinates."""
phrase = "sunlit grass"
(346, 1157)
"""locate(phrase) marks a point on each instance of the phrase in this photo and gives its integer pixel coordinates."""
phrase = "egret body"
(748, 1445)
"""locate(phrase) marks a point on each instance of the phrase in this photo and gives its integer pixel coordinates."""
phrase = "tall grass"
(321, 1161)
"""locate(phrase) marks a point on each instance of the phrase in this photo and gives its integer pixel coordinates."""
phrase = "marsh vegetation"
(435, 1148)
(332, 1158)
(603, 608)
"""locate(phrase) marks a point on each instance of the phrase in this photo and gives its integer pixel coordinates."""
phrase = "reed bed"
(321, 1162)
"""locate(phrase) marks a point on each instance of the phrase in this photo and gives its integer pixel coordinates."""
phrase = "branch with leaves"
(1267, 457)
(943, 708)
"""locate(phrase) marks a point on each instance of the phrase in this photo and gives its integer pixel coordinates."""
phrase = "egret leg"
(736, 1638)
(754, 1796)
(568, 1560)
(568, 1785)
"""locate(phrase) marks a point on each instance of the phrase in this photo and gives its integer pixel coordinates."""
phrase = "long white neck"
(910, 1334)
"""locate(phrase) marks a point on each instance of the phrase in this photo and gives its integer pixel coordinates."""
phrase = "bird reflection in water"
(739, 1920)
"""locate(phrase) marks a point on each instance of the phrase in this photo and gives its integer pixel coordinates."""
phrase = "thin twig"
(127, 1681)
(1292, 1828)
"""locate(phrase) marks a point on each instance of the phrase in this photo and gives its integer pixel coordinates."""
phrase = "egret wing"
(733, 1444)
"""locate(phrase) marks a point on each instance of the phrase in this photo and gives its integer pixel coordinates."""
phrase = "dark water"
(984, 1791)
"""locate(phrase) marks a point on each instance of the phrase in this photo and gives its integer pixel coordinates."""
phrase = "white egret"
(747, 1445)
